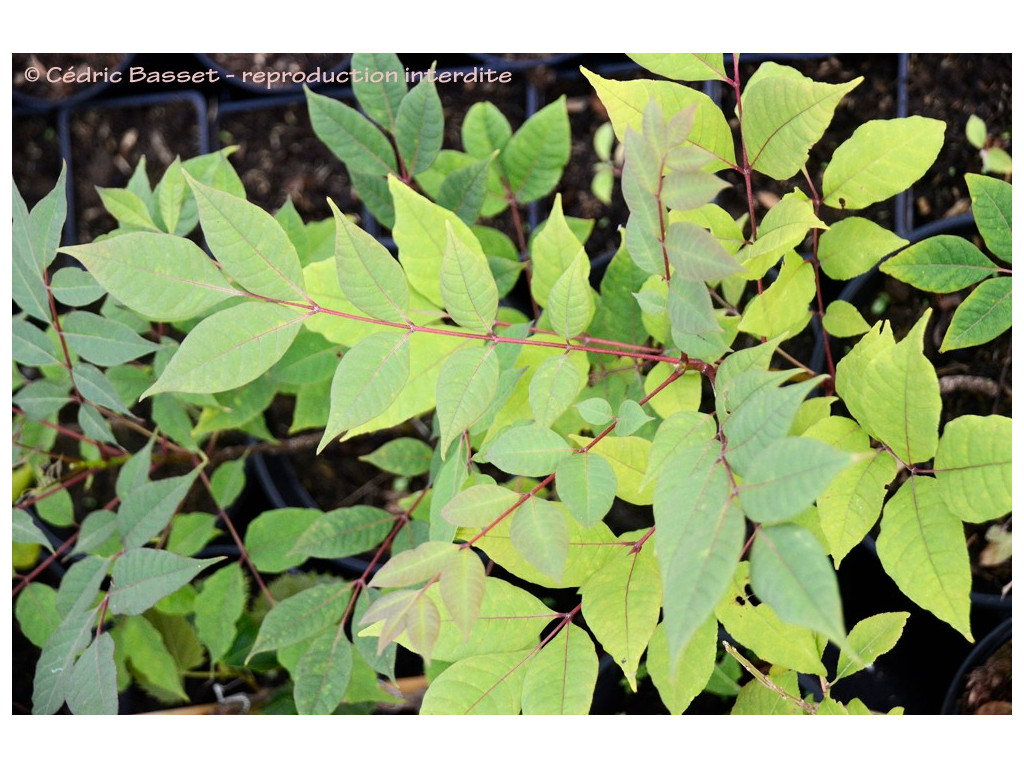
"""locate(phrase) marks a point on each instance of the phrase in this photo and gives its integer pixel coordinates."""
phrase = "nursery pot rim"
(988, 645)
(86, 94)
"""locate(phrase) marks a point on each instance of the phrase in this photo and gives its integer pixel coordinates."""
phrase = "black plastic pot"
(192, 100)
(244, 79)
(499, 62)
(282, 488)
(100, 80)
(982, 653)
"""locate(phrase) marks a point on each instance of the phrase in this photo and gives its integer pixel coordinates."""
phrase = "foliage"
(665, 384)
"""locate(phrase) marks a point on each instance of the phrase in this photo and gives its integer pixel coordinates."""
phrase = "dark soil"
(989, 687)
(88, 71)
(309, 174)
(106, 145)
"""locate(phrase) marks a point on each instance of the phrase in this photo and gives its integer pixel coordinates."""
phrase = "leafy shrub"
(648, 445)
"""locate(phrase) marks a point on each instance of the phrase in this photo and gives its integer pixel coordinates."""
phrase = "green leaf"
(854, 245)
(784, 115)
(628, 457)
(353, 139)
(533, 159)
(231, 348)
(587, 549)
(763, 417)
(141, 577)
(696, 254)
(484, 129)
(466, 389)
(756, 698)
(368, 274)
(842, 319)
(479, 505)
(25, 530)
(675, 434)
(595, 411)
(490, 684)
(96, 531)
(30, 345)
(976, 132)
(75, 287)
(218, 607)
(626, 101)
(531, 450)
(93, 689)
(227, 482)
(784, 228)
(540, 533)
(973, 467)
(922, 547)
(698, 543)
(368, 379)
(870, 638)
(940, 264)
(57, 508)
(148, 508)
(302, 616)
(631, 417)
(560, 679)
(552, 251)
(142, 645)
(758, 628)
(571, 301)
(42, 399)
(587, 484)
(556, 384)
(135, 471)
(270, 538)
(784, 308)
(783, 481)
(683, 394)
(464, 190)
(850, 506)
(693, 670)
(171, 193)
(380, 97)
(413, 567)
(421, 233)
(35, 238)
(790, 571)
(81, 585)
(127, 208)
(893, 392)
(683, 66)
(992, 205)
(36, 612)
(190, 532)
(159, 276)
(343, 532)
(419, 127)
(880, 159)
(97, 388)
(54, 670)
(467, 286)
(403, 456)
(249, 243)
(463, 585)
(323, 674)
(985, 314)
(622, 603)
(366, 647)
(996, 160)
